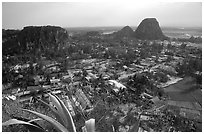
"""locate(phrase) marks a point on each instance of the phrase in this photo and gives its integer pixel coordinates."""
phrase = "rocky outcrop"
(45, 36)
(149, 29)
(32, 38)
(124, 32)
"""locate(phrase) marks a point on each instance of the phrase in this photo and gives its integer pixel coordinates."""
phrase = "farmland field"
(185, 90)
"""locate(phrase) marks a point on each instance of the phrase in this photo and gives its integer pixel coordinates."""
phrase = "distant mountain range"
(148, 29)
(177, 32)
(41, 38)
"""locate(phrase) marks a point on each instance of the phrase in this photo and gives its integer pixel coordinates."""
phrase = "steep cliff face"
(125, 32)
(149, 29)
(41, 37)
(32, 38)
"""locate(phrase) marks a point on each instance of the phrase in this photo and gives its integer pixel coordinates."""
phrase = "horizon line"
(98, 26)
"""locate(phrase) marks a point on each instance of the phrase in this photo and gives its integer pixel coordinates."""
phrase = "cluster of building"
(79, 79)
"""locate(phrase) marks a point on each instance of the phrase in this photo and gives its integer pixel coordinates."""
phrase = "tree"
(138, 81)
(169, 58)
(156, 47)
(169, 46)
(183, 45)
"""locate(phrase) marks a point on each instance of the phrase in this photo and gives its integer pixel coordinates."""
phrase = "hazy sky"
(73, 14)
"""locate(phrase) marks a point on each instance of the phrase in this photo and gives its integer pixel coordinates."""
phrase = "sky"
(80, 14)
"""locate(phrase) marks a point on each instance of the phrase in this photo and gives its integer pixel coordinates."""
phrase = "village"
(134, 75)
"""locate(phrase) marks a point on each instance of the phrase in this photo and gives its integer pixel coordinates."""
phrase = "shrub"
(63, 121)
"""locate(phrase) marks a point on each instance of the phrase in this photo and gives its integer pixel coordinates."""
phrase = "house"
(9, 97)
(46, 87)
(168, 69)
(136, 66)
(147, 62)
(93, 76)
(68, 104)
(6, 86)
(38, 79)
(54, 82)
(146, 95)
(116, 85)
(144, 118)
(52, 68)
(16, 68)
(82, 99)
(106, 77)
(66, 76)
(125, 77)
(30, 92)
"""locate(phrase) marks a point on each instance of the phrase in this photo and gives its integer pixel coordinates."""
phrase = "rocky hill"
(33, 38)
(124, 32)
(149, 29)
(9, 34)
